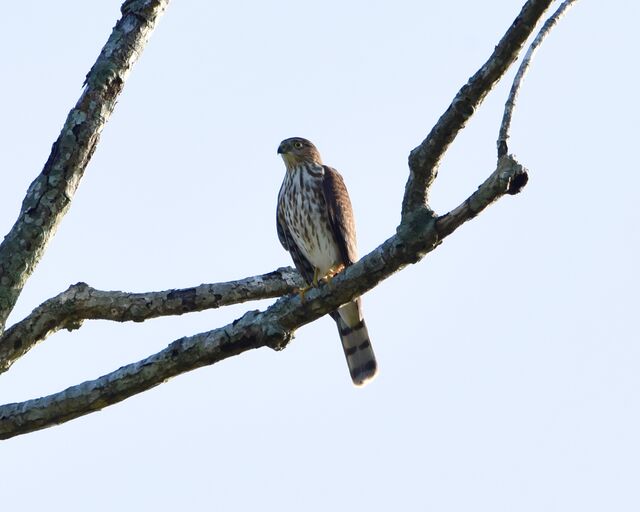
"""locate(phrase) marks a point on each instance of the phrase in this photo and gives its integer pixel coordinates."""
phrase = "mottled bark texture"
(81, 302)
(419, 232)
(50, 195)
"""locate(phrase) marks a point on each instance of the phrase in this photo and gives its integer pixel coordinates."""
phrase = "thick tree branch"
(424, 159)
(522, 71)
(50, 195)
(274, 327)
(81, 302)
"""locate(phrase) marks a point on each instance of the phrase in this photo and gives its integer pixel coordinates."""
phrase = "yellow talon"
(333, 271)
(316, 279)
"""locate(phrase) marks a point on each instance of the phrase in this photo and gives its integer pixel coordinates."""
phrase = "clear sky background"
(509, 357)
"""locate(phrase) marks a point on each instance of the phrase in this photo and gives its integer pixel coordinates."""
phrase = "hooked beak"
(282, 148)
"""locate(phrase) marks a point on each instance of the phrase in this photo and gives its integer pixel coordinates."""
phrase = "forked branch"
(273, 328)
(425, 158)
(80, 302)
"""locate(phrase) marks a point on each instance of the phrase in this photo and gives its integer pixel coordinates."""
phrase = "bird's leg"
(313, 284)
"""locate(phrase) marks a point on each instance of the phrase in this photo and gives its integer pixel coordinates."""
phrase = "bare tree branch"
(425, 158)
(419, 233)
(81, 302)
(273, 328)
(522, 71)
(50, 195)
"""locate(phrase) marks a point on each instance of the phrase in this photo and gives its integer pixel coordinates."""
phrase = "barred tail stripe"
(358, 350)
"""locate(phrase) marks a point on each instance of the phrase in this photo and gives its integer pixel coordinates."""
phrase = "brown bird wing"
(283, 234)
(340, 214)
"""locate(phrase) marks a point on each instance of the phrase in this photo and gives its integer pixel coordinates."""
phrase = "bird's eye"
(297, 145)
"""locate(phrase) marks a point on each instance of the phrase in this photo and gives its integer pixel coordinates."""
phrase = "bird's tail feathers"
(357, 348)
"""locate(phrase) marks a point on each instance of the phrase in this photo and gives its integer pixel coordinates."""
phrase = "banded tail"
(355, 342)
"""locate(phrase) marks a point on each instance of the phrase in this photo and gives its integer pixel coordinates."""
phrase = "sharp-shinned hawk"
(315, 224)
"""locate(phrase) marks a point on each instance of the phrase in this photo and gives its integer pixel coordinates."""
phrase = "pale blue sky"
(509, 358)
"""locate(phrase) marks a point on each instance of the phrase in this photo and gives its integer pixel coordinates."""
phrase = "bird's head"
(297, 150)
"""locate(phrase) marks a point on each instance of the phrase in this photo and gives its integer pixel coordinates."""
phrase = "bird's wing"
(340, 215)
(280, 225)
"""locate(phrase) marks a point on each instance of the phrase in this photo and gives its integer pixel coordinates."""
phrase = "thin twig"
(522, 71)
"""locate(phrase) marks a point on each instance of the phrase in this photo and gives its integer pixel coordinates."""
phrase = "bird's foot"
(303, 290)
(333, 271)
(317, 279)
(313, 284)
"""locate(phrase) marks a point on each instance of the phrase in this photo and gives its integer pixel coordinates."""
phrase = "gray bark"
(80, 302)
(51, 193)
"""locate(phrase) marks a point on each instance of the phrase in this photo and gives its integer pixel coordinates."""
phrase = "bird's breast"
(305, 213)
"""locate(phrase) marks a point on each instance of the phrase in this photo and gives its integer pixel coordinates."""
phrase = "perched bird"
(315, 224)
